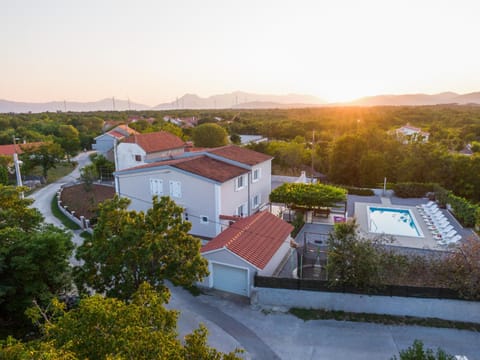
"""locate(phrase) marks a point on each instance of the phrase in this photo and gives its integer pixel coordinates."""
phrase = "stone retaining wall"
(455, 310)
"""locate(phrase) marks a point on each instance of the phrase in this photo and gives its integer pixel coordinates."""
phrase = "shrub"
(413, 189)
(465, 211)
(359, 191)
(417, 352)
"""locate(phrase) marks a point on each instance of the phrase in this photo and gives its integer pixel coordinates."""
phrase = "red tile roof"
(240, 154)
(157, 141)
(127, 129)
(116, 134)
(200, 165)
(255, 238)
(9, 150)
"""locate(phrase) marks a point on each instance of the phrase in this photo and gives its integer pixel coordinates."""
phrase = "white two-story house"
(139, 149)
(213, 186)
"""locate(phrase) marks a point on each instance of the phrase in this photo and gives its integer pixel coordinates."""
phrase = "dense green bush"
(358, 191)
(465, 212)
(417, 352)
(308, 195)
(413, 189)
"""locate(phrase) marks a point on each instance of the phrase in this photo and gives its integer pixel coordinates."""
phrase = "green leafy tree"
(308, 195)
(129, 247)
(372, 169)
(173, 129)
(104, 167)
(33, 257)
(46, 156)
(209, 135)
(344, 159)
(108, 328)
(417, 352)
(88, 174)
(69, 140)
(353, 260)
(235, 139)
(3, 175)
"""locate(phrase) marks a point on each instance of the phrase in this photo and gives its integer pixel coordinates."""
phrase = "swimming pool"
(393, 222)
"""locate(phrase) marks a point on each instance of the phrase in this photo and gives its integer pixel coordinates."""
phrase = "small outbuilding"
(254, 244)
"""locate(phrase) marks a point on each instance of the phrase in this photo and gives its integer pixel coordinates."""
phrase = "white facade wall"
(126, 153)
(164, 154)
(232, 197)
(263, 186)
(277, 258)
(198, 196)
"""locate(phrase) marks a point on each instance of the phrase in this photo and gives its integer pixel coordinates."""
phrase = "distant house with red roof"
(140, 148)
(10, 149)
(104, 143)
(187, 122)
(213, 186)
(254, 244)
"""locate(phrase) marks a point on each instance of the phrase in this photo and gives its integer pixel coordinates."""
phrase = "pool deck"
(425, 242)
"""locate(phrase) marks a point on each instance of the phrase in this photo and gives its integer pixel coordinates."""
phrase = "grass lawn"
(320, 314)
(62, 169)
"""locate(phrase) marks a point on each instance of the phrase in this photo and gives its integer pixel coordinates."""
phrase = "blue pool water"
(393, 221)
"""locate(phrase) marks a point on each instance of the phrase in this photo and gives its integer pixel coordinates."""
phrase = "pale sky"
(152, 51)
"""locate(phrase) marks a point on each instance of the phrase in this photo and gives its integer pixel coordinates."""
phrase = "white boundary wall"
(455, 310)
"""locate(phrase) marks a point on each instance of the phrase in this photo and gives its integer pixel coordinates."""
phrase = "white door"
(231, 279)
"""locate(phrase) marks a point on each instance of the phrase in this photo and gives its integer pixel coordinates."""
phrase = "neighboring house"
(213, 186)
(191, 121)
(10, 149)
(104, 143)
(467, 150)
(139, 149)
(134, 119)
(252, 139)
(408, 134)
(255, 244)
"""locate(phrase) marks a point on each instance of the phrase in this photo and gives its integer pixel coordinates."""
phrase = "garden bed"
(84, 202)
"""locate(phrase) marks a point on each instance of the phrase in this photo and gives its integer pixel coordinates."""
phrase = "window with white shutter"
(175, 189)
(156, 187)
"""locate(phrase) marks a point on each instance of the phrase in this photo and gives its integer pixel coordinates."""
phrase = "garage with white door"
(230, 278)
(256, 244)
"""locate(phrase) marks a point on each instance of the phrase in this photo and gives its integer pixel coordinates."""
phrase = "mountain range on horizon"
(240, 100)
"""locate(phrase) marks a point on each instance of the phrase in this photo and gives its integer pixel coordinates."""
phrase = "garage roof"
(255, 238)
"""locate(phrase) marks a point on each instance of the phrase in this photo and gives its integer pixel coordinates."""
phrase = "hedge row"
(467, 213)
(413, 189)
(359, 191)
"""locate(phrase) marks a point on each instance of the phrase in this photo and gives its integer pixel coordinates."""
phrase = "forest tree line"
(350, 145)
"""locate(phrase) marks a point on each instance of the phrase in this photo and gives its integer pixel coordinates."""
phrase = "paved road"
(290, 338)
(225, 332)
(43, 198)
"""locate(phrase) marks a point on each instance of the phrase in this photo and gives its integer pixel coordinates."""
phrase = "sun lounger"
(429, 204)
(454, 239)
(433, 211)
(443, 224)
(449, 234)
(446, 230)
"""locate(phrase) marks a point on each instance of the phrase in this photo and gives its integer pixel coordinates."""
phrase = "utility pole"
(17, 165)
(313, 149)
